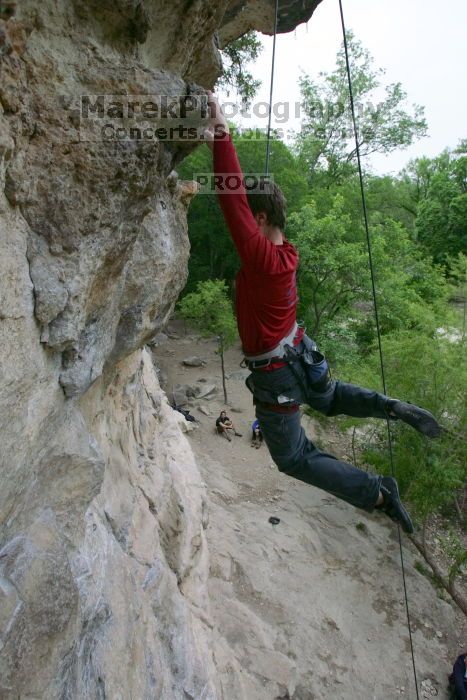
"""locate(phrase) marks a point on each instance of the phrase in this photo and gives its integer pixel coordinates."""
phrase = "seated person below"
(224, 424)
(256, 435)
(458, 678)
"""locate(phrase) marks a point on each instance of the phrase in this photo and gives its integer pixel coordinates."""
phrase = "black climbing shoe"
(392, 505)
(417, 417)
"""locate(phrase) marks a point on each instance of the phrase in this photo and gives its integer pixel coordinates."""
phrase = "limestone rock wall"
(103, 562)
(104, 584)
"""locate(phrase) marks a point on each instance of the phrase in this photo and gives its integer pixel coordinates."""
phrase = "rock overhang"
(241, 16)
(98, 213)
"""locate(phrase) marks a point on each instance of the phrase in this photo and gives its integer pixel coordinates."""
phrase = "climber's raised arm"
(218, 127)
(255, 250)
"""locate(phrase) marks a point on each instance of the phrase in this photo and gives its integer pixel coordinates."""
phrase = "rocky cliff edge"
(103, 558)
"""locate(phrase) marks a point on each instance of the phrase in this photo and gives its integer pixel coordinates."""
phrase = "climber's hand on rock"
(217, 124)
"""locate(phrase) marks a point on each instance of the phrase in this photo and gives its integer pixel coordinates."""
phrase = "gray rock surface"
(311, 608)
(181, 393)
(103, 558)
(103, 572)
(239, 375)
(193, 361)
(204, 410)
(205, 391)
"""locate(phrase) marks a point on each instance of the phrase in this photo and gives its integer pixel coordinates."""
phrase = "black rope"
(375, 306)
(271, 85)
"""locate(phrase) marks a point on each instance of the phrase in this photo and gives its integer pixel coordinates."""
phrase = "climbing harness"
(372, 273)
(277, 352)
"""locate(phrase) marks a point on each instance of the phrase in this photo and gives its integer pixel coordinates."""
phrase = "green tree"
(431, 372)
(386, 198)
(334, 278)
(326, 142)
(333, 271)
(440, 189)
(235, 56)
(458, 277)
(209, 310)
(458, 289)
(284, 166)
(212, 252)
(411, 291)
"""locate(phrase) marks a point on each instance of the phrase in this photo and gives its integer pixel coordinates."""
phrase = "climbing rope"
(377, 324)
(370, 258)
(271, 85)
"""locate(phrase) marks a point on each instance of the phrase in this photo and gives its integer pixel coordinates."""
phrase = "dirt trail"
(311, 608)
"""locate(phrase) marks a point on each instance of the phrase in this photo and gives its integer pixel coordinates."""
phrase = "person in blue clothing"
(256, 435)
(458, 679)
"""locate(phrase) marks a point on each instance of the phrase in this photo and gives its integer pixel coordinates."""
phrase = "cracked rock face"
(103, 562)
(106, 244)
(104, 594)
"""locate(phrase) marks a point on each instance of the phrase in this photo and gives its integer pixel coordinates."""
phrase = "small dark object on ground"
(185, 413)
(273, 520)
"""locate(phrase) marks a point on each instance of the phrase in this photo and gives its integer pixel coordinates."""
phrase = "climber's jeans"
(290, 448)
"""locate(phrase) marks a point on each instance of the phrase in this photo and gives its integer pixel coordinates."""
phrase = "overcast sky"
(421, 43)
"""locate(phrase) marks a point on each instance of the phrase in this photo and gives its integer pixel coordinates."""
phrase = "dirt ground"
(313, 607)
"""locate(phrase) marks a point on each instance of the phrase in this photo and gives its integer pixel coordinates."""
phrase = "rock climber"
(286, 366)
(224, 425)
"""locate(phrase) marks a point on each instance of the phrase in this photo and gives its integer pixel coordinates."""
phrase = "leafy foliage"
(334, 279)
(209, 310)
(326, 143)
(333, 271)
(431, 372)
(213, 254)
(440, 186)
(235, 56)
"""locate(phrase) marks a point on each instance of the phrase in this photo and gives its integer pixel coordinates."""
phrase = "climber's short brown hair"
(269, 201)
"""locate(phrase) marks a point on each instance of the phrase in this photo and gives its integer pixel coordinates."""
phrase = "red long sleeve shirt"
(266, 289)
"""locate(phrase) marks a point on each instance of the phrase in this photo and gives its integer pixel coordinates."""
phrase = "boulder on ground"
(158, 339)
(193, 361)
(185, 426)
(239, 374)
(205, 391)
(181, 393)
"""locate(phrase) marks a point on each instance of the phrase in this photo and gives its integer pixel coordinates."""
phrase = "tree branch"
(440, 577)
